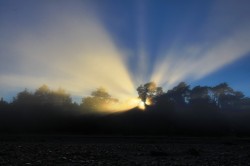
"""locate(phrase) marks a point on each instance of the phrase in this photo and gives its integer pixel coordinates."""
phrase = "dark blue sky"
(60, 43)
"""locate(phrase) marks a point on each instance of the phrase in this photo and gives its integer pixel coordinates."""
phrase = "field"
(105, 150)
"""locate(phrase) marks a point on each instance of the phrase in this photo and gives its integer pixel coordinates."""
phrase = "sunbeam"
(76, 54)
(198, 62)
(225, 38)
(70, 46)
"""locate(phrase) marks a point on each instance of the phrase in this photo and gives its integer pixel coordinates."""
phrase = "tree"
(98, 100)
(200, 94)
(43, 99)
(201, 100)
(245, 103)
(180, 94)
(149, 91)
(23, 98)
(3, 104)
(60, 97)
(44, 96)
(226, 98)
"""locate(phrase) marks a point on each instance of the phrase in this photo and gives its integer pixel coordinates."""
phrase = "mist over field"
(184, 111)
(135, 82)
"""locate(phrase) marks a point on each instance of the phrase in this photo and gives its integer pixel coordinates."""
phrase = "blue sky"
(80, 45)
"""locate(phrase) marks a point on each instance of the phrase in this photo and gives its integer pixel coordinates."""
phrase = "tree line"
(181, 97)
(182, 110)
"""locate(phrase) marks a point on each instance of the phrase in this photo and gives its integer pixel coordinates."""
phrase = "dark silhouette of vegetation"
(179, 95)
(149, 91)
(182, 110)
(98, 100)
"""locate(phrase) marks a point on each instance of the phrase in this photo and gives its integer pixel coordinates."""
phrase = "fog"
(68, 46)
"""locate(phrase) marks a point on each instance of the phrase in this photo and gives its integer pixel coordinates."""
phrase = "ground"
(86, 150)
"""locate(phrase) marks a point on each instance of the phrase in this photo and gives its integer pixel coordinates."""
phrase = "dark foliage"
(200, 111)
(149, 91)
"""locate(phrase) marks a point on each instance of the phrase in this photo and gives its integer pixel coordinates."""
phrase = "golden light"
(141, 105)
(66, 56)
(148, 101)
(74, 50)
(123, 105)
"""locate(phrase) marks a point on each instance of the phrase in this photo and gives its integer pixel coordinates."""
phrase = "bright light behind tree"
(74, 50)
(141, 105)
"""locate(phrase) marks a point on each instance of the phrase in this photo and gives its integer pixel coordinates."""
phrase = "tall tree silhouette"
(245, 103)
(180, 95)
(3, 104)
(201, 99)
(43, 95)
(23, 98)
(149, 91)
(225, 97)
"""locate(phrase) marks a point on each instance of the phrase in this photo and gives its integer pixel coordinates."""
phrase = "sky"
(116, 44)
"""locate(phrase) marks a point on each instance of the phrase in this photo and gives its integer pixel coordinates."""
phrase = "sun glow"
(65, 55)
(148, 101)
(75, 51)
(122, 105)
(141, 105)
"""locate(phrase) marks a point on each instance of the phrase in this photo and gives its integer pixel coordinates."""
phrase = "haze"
(83, 45)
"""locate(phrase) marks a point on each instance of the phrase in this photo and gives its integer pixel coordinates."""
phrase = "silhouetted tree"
(2, 101)
(43, 95)
(98, 100)
(163, 103)
(200, 98)
(60, 97)
(3, 104)
(225, 97)
(43, 99)
(219, 91)
(232, 101)
(180, 95)
(23, 98)
(200, 92)
(149, 91)
(197, 112)
(245, 104)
